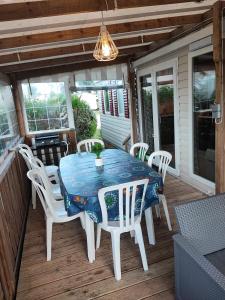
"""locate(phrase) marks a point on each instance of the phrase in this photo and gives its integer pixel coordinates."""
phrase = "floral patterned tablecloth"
(81, 179)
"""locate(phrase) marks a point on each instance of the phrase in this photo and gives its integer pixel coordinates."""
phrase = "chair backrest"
(161, 159)
(88, 144)
(129, 207)
(202, 222)
(36, 163)
(25, 147)
(143, 148)
(41, 183)
(27, 156)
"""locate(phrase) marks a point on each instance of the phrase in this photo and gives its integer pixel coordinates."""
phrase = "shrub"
(84, 118)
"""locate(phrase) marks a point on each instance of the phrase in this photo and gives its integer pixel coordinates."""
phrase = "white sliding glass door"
(159, 110)
(202, 91)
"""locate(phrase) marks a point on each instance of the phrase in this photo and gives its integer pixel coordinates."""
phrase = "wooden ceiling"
(45, 35)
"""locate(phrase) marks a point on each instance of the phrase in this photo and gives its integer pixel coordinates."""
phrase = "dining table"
(80, 181)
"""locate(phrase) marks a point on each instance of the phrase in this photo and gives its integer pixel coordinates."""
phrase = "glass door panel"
(147, 111)
(165, 98)
(203, 125)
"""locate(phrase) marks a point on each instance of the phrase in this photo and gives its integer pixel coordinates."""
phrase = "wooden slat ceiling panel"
(37, 9)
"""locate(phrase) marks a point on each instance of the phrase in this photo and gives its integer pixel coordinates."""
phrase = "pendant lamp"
(105, 48)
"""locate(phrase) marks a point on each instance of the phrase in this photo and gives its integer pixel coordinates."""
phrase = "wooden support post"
(72, 139)
(18, 106)
(220, 128)
(133, 113)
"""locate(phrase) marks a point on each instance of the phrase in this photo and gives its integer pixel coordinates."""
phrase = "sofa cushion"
(217, 259)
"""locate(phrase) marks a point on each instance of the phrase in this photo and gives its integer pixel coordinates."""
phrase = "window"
(45, 106)
(147, 110)
(9, 132)
(106, 97)
(120, 100)
(203, 89)
(105, 86)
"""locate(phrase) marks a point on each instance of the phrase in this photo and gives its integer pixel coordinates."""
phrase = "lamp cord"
(102, 18)
(106, 3)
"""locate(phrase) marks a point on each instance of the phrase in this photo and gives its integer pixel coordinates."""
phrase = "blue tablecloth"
(81, 180)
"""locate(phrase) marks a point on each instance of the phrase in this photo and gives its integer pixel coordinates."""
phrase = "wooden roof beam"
(67, 50)
(48, 8)
(21, 75)
(81, 33)
(67, 60)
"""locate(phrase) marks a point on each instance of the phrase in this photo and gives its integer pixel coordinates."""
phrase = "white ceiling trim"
(94, 23)
(124, 13)
(67, 22)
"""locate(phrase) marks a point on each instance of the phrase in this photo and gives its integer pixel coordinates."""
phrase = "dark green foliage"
(53, 108)
(84, 118)
(97, 149)
(165, 93)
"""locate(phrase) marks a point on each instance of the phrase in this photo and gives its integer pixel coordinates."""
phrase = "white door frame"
(154, 110)
(152, 71)
(206, 182)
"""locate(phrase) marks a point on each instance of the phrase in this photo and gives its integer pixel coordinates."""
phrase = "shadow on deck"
(70, 276)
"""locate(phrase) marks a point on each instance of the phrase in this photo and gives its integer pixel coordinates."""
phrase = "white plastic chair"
(28, 156)
(88, 144)
(51, 170)
(36, 163)
(128, 221)
(54, 210)
(161, 159)
(142, 149)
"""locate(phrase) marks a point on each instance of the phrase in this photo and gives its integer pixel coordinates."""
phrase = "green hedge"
(84, 118)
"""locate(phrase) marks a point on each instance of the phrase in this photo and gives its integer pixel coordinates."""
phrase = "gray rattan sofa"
(199, 249)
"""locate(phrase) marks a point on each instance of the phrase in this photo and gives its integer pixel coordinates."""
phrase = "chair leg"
(49, 238)
(163, 199)
(157, 211)
(89, 228)
(138, 234)
(135, 239)
(34, 196)
(82, 221)
(132, 233)
(116, 254)
(150, 226)
(98, 239)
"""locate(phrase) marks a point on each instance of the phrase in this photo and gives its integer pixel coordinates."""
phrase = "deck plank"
(70, 276)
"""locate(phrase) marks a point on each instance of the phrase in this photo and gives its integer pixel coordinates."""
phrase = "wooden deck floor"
(70, 276)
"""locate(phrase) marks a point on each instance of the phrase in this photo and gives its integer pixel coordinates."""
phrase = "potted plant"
(97, 149)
